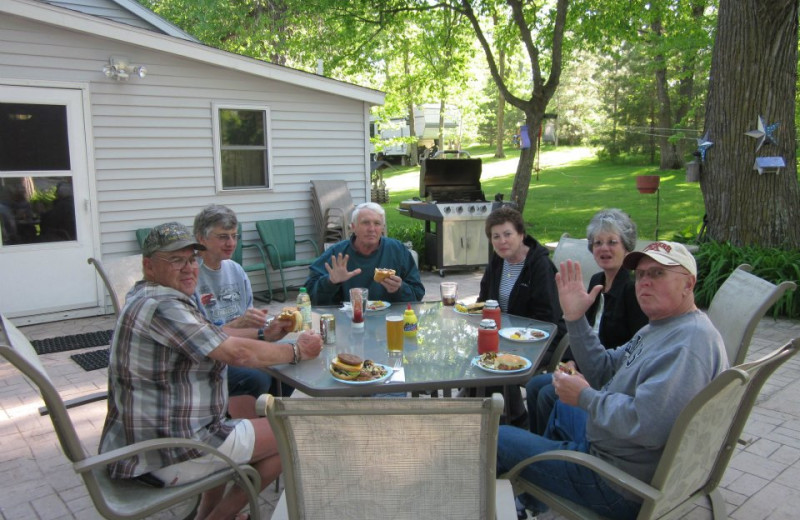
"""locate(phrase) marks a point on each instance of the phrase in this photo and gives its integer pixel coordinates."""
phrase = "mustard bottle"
(409, 322)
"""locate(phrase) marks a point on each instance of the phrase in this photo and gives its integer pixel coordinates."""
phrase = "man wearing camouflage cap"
(622, 406)
(168, 378)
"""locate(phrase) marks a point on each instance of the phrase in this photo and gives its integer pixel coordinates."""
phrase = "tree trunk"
(522, 179)
(669, 154)
(501, 107)
(753, 73)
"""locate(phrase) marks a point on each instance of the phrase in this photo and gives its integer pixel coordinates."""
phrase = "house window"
(242, 142)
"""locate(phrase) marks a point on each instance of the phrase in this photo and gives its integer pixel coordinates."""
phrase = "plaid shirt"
(161, 382)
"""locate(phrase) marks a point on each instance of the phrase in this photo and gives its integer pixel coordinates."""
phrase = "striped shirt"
(161, 382)
(508, 279)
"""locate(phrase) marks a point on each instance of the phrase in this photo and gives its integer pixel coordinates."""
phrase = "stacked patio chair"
(332, 206)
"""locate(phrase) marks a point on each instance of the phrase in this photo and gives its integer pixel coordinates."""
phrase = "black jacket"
(534, 294)
(622, 316)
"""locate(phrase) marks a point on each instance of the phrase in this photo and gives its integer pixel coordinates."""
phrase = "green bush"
(413, 232)
(717, 260)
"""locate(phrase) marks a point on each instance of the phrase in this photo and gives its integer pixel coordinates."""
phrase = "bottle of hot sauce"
(491, 311)
(488, 338)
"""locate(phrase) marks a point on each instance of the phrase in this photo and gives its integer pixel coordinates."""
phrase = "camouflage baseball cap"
(171, 236)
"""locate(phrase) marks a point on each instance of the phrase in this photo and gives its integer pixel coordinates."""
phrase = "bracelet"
(261, 334)
(296, 352)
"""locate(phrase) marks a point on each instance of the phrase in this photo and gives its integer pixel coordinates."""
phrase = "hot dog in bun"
(381, 274)
(292, 314)
(346, 366)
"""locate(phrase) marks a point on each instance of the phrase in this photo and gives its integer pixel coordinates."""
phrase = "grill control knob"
(472, 209)
(447, 209)
(460, 210)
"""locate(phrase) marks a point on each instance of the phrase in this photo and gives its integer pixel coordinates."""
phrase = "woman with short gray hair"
(615, 314)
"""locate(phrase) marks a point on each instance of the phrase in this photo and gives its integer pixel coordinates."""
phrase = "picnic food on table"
(376, 305)
(292, 314)
(350, 367)
(500, 361)
(527, 334)
(381, 274)
(470, 308)
(567, 369)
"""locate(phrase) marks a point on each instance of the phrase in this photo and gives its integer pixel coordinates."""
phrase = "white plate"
(371, 381)
(508, 331)
(476, 361)
(386, 305)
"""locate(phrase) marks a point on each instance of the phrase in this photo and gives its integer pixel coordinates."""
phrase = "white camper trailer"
(395, 134)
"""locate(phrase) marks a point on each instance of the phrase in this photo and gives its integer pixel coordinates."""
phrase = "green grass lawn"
(567, 193)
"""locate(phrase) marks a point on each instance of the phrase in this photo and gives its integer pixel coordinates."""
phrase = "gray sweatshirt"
(639, 389)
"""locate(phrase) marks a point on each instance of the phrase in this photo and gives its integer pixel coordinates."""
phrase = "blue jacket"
(391, 254)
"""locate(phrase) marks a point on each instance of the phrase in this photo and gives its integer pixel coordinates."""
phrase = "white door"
(45, 220)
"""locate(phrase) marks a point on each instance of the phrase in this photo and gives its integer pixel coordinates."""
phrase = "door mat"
(74, 342)
(92, 360)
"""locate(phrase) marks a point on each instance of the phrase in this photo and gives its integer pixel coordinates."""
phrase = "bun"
(346, 366)
(509, 362)
(294, 315)
(381, 274)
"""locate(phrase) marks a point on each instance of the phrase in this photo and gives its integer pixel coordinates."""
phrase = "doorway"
(45, 218)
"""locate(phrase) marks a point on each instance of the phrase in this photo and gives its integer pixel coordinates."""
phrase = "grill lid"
(451, 180)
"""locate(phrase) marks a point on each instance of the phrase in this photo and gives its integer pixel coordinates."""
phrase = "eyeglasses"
(224, 237)
(655, 273)
(177, 262)
(609, 243)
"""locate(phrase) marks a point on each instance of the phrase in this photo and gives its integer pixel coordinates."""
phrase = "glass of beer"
(394, 333)
(449, 292)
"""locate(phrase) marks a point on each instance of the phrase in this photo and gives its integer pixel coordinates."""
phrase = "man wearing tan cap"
(167, 377)
(622, 407)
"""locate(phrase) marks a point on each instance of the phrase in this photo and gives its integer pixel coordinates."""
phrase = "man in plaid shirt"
(168, 378)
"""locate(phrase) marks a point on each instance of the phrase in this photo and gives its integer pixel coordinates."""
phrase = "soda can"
(327, 328)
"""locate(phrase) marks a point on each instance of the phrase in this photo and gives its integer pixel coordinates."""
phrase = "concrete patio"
(762, 481)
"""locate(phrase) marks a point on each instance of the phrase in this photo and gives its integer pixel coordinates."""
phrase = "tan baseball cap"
(665, 253)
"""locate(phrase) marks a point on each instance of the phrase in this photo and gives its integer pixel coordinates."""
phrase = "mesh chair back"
(704, 437)
(576, 249)
(387, 457)
(119, 275)
(738, 306)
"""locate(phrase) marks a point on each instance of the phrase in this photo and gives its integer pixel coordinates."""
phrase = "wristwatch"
(261, 334)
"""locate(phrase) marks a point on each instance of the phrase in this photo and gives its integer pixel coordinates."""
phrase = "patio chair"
(361, 458)
(280, 245)
(737, 307)
(118, 276)
(238, 257)
(332, 206)
(696, 454)
(141, 235)
(576, 249)
(119, 499)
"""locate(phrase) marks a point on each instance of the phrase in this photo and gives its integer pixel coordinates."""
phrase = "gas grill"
(454, 211)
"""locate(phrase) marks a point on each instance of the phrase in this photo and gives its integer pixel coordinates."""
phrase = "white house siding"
(152, 137)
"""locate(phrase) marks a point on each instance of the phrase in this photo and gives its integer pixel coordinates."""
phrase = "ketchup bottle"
(488, 338)
(491, 311)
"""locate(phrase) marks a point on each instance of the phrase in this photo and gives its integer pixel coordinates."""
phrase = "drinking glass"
(394, 333)
(358, 301)
(449, 292)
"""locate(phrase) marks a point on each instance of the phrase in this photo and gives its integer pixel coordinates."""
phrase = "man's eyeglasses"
(609, 243)
(654, 273)
(224, 237)
(178, 262)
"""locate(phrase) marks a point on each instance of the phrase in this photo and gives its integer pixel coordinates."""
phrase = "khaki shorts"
(238, 446)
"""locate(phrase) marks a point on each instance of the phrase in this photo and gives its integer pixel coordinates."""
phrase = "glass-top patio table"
(439, 358)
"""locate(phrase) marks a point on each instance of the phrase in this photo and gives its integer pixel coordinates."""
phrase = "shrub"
(411, 232)
(717, 260)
